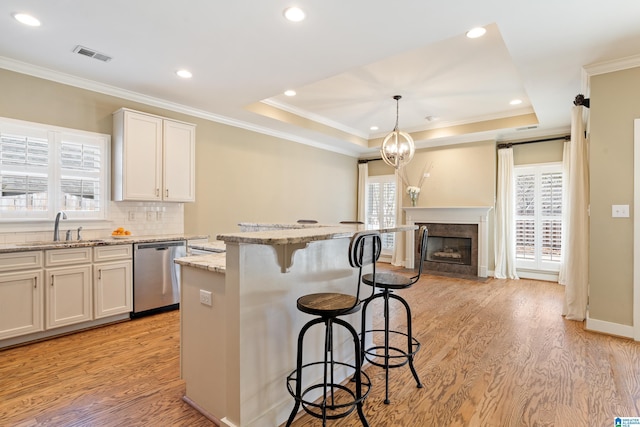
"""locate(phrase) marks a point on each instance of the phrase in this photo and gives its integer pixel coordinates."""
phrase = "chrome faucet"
(56, 227)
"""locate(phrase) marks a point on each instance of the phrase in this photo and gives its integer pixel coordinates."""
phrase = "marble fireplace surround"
(451, 215)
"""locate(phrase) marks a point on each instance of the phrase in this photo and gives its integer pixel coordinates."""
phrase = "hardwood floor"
(126, 374)
(494, 353)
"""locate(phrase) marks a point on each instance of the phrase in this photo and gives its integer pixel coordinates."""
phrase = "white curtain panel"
(566, 155)
(505, 234)
(575, 269)
(363, 178)
(398, 257)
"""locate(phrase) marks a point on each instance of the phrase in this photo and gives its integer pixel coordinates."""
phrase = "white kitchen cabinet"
(20, 303)
(113, 284)
(21, 293)
(68, 293)
(153, 158)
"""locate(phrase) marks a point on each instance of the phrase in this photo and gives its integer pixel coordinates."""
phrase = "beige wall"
(460, 175)
(540, 152)
(614, 106)
(243, 176)
(240, 175)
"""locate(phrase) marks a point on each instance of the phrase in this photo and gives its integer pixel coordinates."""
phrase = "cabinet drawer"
(112, 252)
(20, 260)
(69, 256)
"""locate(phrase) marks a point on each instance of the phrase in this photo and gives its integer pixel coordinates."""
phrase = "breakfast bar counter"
(239, 322)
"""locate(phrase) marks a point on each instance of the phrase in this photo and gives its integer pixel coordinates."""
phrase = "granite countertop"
(282, 234)
(43, 245)
(216, 262)
(216, 246)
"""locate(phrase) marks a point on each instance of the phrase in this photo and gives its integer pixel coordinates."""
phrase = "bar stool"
(392, 356)
(337, 400)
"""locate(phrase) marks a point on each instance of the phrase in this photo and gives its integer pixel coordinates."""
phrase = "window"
(538, 216)
(381, 207)
(44, 169)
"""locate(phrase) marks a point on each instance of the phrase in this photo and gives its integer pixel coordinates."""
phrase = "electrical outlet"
(132, 215)
(151, 216)
(206, 298)
(160, 215)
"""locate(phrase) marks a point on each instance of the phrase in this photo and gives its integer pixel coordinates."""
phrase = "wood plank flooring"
(494, 353)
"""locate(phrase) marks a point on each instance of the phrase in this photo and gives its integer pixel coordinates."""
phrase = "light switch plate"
(620, 211)
(151, 216)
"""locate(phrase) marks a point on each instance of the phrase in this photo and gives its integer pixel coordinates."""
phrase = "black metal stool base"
(328, 407)
(385, 355)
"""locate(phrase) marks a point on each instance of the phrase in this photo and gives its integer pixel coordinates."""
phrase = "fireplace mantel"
(452, 215)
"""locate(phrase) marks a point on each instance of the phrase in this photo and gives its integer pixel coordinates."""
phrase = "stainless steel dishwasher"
(156, 278)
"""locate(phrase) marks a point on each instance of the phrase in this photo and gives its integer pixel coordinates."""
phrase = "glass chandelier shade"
(398, 147)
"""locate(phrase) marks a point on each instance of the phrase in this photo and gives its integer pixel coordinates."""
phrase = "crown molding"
(612, 65)
(74, 81)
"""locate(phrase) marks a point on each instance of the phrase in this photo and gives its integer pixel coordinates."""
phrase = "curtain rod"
(360, 161)
(533, 141)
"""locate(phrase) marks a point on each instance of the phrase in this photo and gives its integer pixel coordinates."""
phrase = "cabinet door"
(68, 294)
(179, 162)
(113, 289)
(20, 303)
(142, 159)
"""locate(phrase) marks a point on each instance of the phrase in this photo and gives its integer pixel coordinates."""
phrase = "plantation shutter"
(80, 175)
(381, 208)
(538, 216)
(24, 173)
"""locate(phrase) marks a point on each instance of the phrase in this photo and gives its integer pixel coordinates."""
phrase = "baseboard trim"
(609, 328)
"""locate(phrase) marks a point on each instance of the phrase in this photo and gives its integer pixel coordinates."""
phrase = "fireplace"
(451, 248)
(458, 239)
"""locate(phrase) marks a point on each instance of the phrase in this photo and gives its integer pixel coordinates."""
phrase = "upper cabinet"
(153, 158)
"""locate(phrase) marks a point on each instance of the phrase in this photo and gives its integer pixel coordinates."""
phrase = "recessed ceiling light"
(294, 14)
(374, 128)
(290, 92)
(185, 74)
(515, 102)
(474, 33)
(27, 19)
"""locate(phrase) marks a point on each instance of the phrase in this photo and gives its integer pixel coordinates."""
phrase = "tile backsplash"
(141, 218)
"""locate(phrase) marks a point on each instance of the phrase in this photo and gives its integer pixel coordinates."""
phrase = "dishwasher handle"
(159, 245)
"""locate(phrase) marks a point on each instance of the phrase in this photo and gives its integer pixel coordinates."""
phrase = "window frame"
(56, 137)
(382, 179)
(538, 169)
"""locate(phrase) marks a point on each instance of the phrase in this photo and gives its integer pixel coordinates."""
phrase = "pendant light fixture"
(397, 148)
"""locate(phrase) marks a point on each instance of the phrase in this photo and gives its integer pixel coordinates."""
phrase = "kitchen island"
(239, 321)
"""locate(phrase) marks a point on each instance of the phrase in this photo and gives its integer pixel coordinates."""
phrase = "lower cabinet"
(21, 303)
(68, 295)
(113, 288)
(44, 293)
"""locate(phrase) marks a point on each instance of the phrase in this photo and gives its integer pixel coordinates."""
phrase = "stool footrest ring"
(342, 407)
(400, 357)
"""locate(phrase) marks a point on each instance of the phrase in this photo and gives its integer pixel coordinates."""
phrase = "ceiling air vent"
(81, 50)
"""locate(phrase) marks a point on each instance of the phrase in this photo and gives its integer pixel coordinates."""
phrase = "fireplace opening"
(452, 250)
